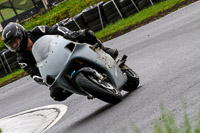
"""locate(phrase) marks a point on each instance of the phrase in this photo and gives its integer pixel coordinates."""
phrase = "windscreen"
(42, 47)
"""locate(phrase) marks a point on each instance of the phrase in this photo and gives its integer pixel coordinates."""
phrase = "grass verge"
(144, 17)
(111, 31)
(66, 9)
(17, 74)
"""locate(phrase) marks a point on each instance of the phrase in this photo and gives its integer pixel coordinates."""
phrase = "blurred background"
(20, 10)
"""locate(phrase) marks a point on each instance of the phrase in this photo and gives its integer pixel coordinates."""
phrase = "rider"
(18, 40)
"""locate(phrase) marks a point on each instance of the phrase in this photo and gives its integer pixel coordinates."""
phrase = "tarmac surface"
(165, 54)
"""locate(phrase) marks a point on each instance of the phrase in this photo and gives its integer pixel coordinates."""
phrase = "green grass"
(167, 124)
(8, 13)
(64, 10)
(12, 75)
(72, 7)
(20, 5)
(137, 18)
(2, 1)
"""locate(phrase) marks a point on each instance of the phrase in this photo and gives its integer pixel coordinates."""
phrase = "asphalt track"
(166, 56)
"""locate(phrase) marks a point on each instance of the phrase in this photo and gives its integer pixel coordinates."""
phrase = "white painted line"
(36, 120)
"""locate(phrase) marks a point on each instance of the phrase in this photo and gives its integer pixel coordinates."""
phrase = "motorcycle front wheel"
(100, 89)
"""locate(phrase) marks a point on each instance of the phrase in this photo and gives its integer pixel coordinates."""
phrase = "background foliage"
(67, 9)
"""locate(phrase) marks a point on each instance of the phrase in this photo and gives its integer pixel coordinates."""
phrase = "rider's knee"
(58, 94)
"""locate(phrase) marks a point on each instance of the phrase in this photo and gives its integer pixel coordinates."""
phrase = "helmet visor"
(13, 44)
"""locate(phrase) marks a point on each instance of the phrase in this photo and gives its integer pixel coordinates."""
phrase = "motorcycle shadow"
(91, 116)
(100, 111)
(126, 94)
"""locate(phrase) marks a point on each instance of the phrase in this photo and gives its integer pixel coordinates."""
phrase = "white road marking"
(36, 120)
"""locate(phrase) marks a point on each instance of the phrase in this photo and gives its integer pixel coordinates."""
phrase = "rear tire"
(97, 89)
(133, 80)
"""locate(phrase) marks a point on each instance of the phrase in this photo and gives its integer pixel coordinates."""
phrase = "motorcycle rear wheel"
(133, 80)
(103, 91)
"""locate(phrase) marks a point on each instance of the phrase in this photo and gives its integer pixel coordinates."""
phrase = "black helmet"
(10, 32)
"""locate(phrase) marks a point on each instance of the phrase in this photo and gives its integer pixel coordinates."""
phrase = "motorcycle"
(83, 69)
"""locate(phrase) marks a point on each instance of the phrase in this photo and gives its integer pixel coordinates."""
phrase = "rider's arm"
(27, 64)
(54, 30)
(50, 30)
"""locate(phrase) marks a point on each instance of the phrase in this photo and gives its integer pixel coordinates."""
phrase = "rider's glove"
(87, 36)
(82, 36)
(73, 36)
(86, 33)
(39, 80)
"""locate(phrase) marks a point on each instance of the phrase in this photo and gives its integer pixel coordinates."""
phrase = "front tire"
(103, 91)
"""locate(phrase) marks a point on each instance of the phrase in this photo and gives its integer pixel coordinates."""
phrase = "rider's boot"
(89, 37)
(59, 94)
(112, 52)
